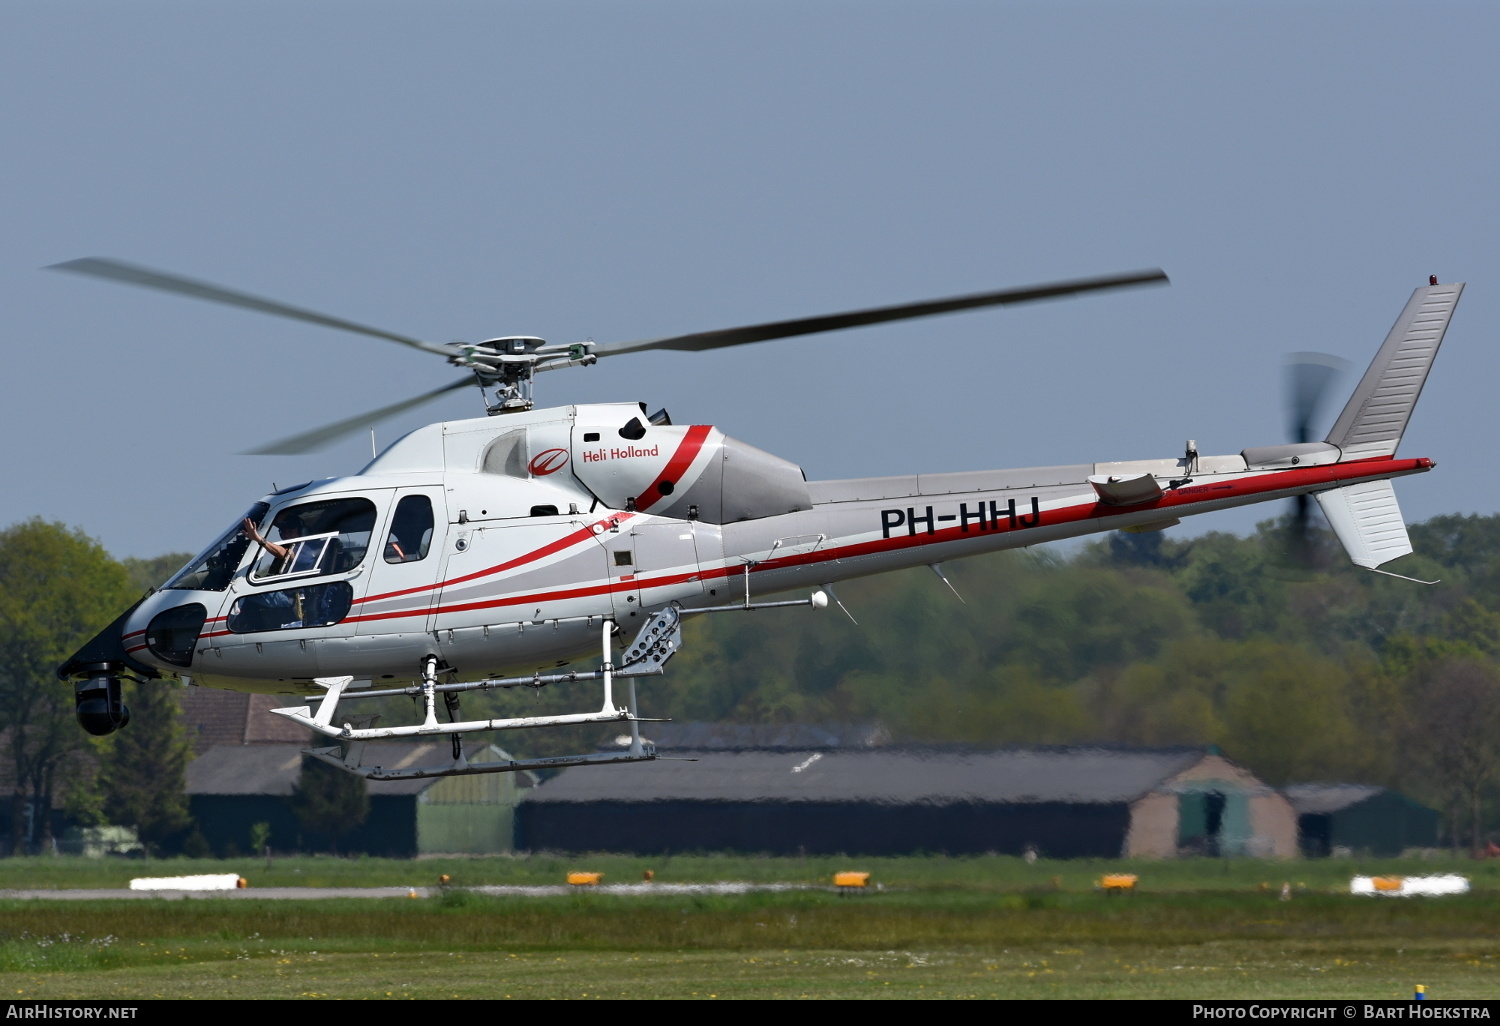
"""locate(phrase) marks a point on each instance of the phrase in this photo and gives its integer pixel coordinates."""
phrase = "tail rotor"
(1309, 376)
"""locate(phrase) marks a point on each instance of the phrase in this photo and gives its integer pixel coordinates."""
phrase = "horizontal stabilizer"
(1368, 521)
(1375, 418)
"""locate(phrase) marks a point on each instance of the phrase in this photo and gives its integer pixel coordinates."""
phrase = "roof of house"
(214, 717)
(903, 775)
(1323, 798)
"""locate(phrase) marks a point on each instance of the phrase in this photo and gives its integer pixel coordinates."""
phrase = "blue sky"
(615, 171)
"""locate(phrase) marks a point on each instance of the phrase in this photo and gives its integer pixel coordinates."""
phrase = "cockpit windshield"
(214, 567)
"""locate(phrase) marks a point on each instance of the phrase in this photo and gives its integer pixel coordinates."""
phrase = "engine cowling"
(693, 471)
(616, 453)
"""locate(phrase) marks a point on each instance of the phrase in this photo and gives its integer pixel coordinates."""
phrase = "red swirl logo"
(549, 462)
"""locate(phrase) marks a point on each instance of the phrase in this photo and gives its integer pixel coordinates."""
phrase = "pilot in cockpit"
(314, 541)
(288, 530)
(277, 609)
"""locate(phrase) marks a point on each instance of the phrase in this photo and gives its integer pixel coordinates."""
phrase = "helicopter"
(496, 552)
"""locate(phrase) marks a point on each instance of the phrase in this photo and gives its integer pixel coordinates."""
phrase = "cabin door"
(403, 576)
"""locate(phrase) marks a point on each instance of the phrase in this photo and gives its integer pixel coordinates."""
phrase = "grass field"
(986, 927)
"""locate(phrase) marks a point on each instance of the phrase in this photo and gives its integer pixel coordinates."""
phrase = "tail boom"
(868, 536)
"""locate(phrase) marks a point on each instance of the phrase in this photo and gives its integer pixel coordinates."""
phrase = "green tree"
(146, 574)
(1287, 714)
(1174, 699)
(58, 587)
(329, 802)
(143, 775)
(1454, 730)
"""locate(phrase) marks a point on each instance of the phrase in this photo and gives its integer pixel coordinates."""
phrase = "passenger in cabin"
(411, 530)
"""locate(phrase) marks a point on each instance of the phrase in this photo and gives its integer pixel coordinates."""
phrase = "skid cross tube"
(435, 729)
(658, 639)
(638, 668)
(536, 681)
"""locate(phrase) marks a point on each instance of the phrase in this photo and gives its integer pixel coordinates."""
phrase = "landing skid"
(658, 640)
(461, 767)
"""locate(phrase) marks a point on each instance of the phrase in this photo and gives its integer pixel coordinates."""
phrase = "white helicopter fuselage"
(500, 545)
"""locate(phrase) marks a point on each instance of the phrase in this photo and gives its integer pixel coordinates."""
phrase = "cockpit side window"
(214, 567)
(411, 530)
(316, 539)
(310, 605)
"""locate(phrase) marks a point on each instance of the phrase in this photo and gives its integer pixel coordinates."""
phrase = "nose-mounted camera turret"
(100, 704)
(98, 671)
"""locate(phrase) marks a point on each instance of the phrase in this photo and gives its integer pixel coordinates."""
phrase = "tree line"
(1294, 663)
(58, 588)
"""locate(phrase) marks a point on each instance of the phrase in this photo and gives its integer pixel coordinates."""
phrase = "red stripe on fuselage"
(683, 458)
(1211, 491)
(582, 534)
(1273, 481)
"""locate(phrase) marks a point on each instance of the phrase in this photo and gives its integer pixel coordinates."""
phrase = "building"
(1360, 819)
(733, 736)
(249, 762)
(214, 717)
(233, 787)
(1062, 802)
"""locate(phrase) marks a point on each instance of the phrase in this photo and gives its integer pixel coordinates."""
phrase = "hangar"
(894, 800)
(1349, 819)
(249, 761)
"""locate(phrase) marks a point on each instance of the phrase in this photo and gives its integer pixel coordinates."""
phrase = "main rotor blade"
(132, 274)
(878, 315)
(317, 438)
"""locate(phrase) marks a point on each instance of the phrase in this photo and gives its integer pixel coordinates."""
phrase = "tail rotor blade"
(308, 441)
(1300, 528)
(1308, 377)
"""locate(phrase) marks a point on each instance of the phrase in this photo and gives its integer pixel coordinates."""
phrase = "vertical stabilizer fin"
(1368, 521)
(1375, 418)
